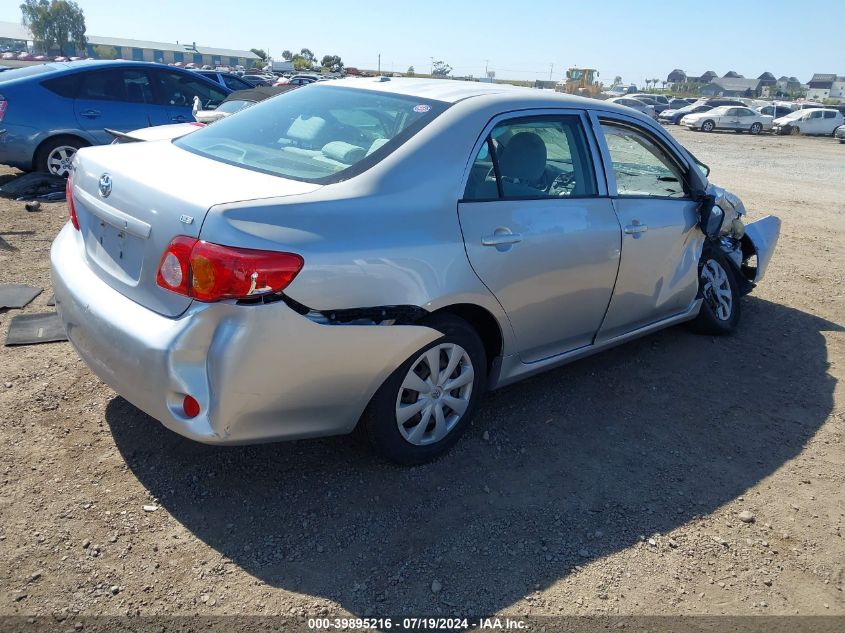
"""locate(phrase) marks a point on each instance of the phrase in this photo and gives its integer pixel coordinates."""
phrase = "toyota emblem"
(105, 186)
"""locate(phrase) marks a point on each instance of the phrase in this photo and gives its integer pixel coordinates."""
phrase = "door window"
(829, 115)
(642, 167)
(116, 85)
(179, 89)
(532, 158)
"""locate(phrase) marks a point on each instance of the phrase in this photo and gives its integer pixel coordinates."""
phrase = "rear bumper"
(260, 372)
(17, 145)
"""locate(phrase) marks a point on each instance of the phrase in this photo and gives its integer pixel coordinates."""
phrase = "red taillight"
(211, 272)
(3, 105)
(71, 207)
(191, 407)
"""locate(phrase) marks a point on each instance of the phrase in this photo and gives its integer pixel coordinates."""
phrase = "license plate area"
(114, 250)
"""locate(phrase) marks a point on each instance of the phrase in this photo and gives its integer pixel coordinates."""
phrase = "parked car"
(810, 121)
(677, 104)
(231, 285)
(839, 133)
(229, 80)
(51, 110)
(8, 55)
(635, 104)
(674, 116)
(736, 118)
(658, 102)
(776, 110)
(258, 80)
(301, 80)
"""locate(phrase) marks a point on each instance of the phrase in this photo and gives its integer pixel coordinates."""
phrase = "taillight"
(211, 272)
(71, 207)
(3, 105)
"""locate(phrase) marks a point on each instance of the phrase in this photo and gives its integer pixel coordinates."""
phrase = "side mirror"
(710, 217)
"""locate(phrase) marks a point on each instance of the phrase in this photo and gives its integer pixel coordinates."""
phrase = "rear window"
(319, 134)
(26, 71)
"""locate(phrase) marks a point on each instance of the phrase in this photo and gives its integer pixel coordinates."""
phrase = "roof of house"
(736, 84)
(823, 77)
(14, 31)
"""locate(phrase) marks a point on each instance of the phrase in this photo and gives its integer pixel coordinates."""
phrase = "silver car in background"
(380, 252)
(635, 104)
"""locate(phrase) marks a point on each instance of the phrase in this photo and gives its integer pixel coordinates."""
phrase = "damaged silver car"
(380, 252)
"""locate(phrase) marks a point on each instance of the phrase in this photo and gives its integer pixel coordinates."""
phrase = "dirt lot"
(611, 486)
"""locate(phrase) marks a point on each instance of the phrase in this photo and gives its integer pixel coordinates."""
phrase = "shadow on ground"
(635, 441)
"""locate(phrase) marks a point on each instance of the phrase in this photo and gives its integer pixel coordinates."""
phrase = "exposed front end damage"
(749, 247)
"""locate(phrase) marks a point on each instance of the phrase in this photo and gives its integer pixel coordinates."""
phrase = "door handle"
(636, 228)
(501, 239)
(90, 114)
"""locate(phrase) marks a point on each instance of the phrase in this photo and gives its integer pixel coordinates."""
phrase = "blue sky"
(523, 39)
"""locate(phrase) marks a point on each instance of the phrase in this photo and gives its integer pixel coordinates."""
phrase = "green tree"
(307, 55)
(410, 72)
(287, 55)
(617, 80)
(260, 52)
(333, 63)
(55, 24)
(440, 69)
(105, 52)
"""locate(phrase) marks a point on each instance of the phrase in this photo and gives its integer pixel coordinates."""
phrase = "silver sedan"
(379, 253)
(736, 118)
(635, 104)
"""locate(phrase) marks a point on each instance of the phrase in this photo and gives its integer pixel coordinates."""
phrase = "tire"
(720, 313)
(756, 128)
(409, 442)
(708, 126)
(55, 154)
(795, 131)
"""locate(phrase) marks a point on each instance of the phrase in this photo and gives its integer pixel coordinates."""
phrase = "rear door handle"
(90, 114)
(501, 239)
(636, 229)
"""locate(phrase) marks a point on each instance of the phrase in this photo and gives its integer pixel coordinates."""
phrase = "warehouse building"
(141, 50)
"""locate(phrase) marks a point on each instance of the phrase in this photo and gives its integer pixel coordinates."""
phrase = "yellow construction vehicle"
(580, 81)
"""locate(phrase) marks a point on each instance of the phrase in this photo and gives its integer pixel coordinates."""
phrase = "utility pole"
(486, 63)
(551, 70)
(379, 63)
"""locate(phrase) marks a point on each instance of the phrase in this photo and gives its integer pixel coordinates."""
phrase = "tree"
(105, 52)
(55, 24)
(617, 80)
(306, 53)
(287, 55)
(260, 53)
(410, 72)
(333, 63)
(440, 69)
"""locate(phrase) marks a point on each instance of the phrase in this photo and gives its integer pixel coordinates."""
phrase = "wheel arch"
(487, 326)
(84, 142)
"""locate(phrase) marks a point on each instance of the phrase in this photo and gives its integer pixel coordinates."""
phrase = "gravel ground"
(677, 474)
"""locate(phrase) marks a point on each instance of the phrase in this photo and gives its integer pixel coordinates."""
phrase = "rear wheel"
(426, 404)
(56, 154)
(718, 287)
(756, 128)
(708, 126)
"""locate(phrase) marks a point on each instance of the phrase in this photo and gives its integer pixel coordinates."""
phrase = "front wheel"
(756, 128)
(708, 126)
(426, 404)
(795, 131)
(718, 287)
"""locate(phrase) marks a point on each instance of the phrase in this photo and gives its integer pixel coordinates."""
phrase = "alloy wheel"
(59, 160)
(434, 394)
(708, 126)
(716, 288)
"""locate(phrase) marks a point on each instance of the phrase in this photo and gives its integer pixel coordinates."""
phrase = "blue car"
(48, 111)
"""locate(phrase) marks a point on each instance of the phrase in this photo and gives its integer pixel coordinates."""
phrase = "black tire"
(795, 130)
(48, 147)
(708, 126)
(709, 320)
(756, 128)
(379, 420)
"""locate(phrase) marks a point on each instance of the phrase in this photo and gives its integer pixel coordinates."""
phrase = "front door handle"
(501, 237)
(90, 114)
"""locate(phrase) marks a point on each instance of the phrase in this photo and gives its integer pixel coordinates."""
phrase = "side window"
(116, 85)
(830, 115)
(533, 157)
(642, 167)
(64, 86)
(179, 89)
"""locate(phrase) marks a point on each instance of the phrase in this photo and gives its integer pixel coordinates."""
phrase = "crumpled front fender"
(760, 239)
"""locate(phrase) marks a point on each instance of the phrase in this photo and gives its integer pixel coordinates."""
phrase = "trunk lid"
(152, 192)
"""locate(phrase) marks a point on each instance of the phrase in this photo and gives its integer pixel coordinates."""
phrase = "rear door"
(539, 230)
(661, 242)
(116, 98)
(175, 91)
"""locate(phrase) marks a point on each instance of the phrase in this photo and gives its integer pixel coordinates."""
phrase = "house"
(788, 85)
(826, 86)
(767, 80)
(732, 87)
(677, 76)
(732, 74)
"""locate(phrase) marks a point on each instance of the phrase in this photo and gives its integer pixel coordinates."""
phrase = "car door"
(730, 120)
(540, 231)
(661, 241)
(813, 122)
(116, 98)
(175, 92)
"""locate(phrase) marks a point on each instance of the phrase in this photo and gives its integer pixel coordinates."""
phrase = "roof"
(735, 84)
(14, 31)
(823, 77)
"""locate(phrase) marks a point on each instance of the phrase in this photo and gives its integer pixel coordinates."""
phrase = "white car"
(736, 118)
(635, 104)
(816, 121)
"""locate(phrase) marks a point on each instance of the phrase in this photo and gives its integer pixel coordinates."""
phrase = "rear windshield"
(317, 133)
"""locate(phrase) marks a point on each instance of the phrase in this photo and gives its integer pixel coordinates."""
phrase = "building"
(732, 87)
(826, 86)
(788, 85)
(100, 47)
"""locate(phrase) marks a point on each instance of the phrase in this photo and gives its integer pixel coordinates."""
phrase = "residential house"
(732, 87)
(826, 86)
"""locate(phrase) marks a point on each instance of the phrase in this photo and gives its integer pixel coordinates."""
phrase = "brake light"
(3, 105)
(211, 272)
(71, 207)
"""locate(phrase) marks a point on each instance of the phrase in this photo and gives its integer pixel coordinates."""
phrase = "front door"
(661, 242)
(538, 234)
(117, 99)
